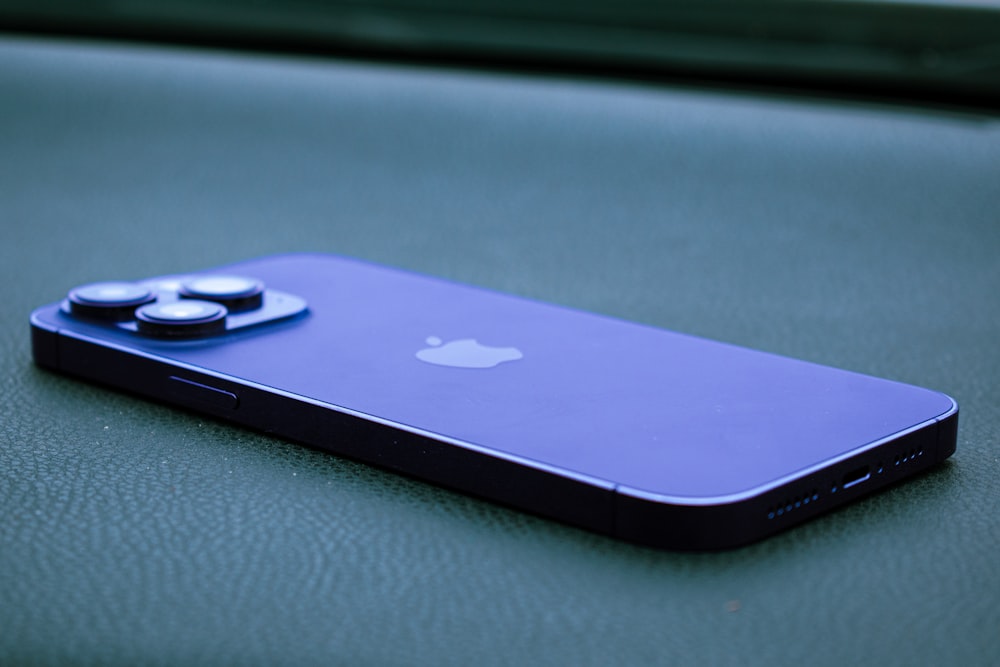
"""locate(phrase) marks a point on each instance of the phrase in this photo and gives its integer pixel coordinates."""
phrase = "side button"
(188, 391)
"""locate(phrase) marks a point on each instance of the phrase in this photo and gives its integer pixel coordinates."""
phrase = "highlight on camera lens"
(185, 318)
(236, 293)
(113, 301)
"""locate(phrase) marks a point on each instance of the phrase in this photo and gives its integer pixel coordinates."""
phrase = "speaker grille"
(907, 457)
(791, 504)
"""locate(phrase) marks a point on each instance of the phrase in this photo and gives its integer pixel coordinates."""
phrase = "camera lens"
(236, 293)
(187, 318)
(115, 301)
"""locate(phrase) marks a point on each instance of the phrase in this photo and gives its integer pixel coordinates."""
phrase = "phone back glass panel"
(631, 406)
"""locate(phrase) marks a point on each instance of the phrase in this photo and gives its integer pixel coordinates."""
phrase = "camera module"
(186, 318)
(236, 293)
(114, 301)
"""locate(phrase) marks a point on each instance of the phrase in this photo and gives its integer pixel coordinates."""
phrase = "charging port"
(855, 477)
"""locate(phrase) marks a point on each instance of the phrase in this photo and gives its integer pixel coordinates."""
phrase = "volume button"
(196, 393)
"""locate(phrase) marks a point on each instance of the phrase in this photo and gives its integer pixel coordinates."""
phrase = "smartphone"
(644, 434)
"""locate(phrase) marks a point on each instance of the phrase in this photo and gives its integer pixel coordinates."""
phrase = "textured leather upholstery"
(851, 235)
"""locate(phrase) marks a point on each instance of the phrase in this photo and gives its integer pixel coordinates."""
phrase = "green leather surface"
(132, 533)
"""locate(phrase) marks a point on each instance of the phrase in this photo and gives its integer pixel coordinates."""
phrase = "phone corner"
(44, 341)
(947, 431)
(951, 409)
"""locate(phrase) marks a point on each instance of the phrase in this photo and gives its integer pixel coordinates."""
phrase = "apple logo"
(466, 353)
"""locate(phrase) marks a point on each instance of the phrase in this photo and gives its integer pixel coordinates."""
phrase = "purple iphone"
(648, 435)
